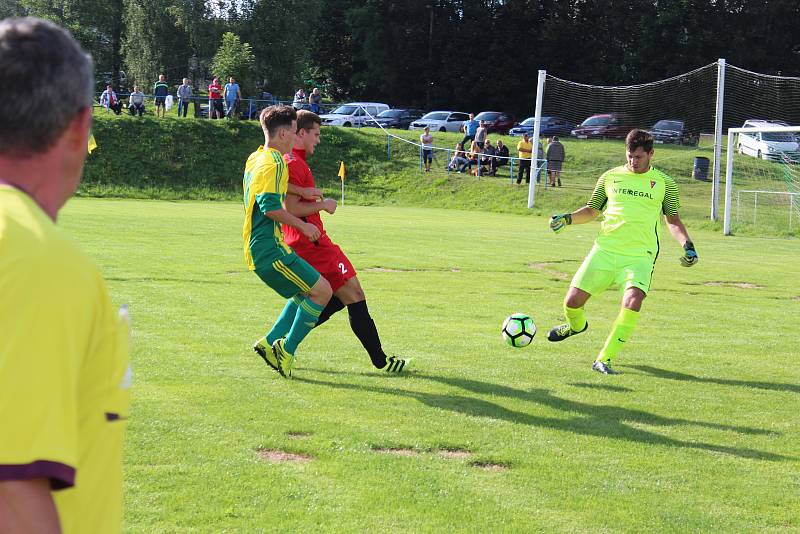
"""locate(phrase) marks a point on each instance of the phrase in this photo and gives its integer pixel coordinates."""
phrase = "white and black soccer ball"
(518, 330)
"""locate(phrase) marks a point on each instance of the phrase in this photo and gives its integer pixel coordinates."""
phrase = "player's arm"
(27, 506)
(284, 217)
(308, 193)
(587, 213)
(670, 207)
(298, 208)
(678, 231)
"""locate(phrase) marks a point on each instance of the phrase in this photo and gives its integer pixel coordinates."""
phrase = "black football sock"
(333, 306)
(364, 328)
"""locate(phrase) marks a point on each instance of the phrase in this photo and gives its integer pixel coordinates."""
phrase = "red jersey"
(300, 175)
(214, 91)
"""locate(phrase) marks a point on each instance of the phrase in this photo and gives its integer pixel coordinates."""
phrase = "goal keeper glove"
(559, 222)
(689, 257)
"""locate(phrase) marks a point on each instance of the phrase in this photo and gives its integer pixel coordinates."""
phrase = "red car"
(605, 126)
(496, 121)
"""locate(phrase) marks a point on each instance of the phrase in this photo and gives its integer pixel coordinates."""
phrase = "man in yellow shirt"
(524, 151)
(64, 373)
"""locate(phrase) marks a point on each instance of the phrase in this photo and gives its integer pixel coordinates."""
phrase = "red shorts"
(330, 261)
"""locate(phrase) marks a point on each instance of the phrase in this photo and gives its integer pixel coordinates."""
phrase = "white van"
(353, 114)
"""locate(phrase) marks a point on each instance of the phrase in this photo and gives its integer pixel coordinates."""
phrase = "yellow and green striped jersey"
(632, 204)
(265, 182)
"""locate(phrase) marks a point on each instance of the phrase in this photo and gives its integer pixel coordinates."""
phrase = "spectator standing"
(469, 127)
(299, 99)
(64, 409)
(539, 158)
(160, 92)
(215, 109)
(184, 97)
(136, 101)
(500, 150)
(481, 133)
(109, 100)
(232, 96)
(458, 158)
(555, 158)
(315, 98)
(524, 151)
(426, 140)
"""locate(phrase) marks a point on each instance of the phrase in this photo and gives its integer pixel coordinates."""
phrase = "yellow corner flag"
(341, 170)
(92, 143)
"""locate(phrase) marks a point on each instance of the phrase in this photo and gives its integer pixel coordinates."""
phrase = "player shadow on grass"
(674, 375)
(594, 420)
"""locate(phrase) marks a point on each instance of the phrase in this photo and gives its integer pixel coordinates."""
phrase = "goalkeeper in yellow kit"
(632, 198)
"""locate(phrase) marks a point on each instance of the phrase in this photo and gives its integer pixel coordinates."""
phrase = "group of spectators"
(313, 100)
(486, 157)
(222, 101)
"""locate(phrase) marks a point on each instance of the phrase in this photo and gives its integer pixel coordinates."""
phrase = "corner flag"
(92, 143)
(341, 175)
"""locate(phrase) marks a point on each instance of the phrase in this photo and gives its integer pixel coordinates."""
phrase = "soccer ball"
(518, 330)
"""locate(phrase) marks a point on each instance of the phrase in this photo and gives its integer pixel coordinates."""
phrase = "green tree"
(235, 58)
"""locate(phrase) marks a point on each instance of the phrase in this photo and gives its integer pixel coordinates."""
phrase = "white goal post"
(733, 133)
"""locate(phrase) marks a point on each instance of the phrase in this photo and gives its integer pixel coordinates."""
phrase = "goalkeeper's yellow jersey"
(64, 374)
(632, 206)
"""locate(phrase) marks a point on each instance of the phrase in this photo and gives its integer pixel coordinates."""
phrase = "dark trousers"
(524, 167)
(136, 108)
(183, 106)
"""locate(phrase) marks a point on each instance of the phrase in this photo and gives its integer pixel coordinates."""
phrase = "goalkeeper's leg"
(624, 325)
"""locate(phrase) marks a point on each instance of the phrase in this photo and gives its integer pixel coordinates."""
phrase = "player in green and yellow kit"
(632, 199)
(266, 180)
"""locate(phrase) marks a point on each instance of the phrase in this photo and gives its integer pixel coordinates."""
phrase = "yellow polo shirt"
(64, 369)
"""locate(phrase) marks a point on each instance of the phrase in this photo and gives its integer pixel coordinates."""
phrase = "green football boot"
(266, 352)
(285, 358)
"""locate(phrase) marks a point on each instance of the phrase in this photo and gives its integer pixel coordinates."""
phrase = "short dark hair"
(307, 119)
(639, 138)
(46, 80)
(275, 117)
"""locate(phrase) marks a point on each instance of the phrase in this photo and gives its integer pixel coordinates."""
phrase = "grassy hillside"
(179, 159)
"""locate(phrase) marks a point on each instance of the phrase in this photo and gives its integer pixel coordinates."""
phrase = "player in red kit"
(324, 255)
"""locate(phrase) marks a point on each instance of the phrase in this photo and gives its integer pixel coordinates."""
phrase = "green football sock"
(576, 317)
(620, 334)
(285, 320)
(305, 319)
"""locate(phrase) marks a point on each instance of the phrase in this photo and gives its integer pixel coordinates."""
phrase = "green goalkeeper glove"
(559, 222)
(689, 257)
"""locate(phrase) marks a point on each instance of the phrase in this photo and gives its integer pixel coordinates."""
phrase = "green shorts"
(288, 275)
(601, 269)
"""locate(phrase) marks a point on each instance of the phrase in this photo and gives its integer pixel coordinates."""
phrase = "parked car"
(605, 126)
(496, 121)
(395, 118)
(353, 114)
(441, 121)
(548, 126)
(768, 145)
(674, 132)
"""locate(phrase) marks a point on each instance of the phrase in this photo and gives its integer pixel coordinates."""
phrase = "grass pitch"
(698, 435)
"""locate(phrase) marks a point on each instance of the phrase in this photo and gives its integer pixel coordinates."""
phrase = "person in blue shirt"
(232, 95)
(469, 127)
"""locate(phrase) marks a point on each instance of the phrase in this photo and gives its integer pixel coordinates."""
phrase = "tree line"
(459, 54)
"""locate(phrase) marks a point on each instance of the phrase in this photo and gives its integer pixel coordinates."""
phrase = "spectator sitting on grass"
(314, 99)
(473, 158)
(500, 150)
(299, 99)
(136, 102)
(458, 158)
(109, 100)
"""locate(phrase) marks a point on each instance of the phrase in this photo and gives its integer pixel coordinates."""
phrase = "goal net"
(679, 111)
(762, 180)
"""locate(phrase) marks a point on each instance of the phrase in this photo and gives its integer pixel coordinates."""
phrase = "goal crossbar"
(729, 165)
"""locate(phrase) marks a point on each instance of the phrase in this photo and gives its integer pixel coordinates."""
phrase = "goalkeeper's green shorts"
(601, 269)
